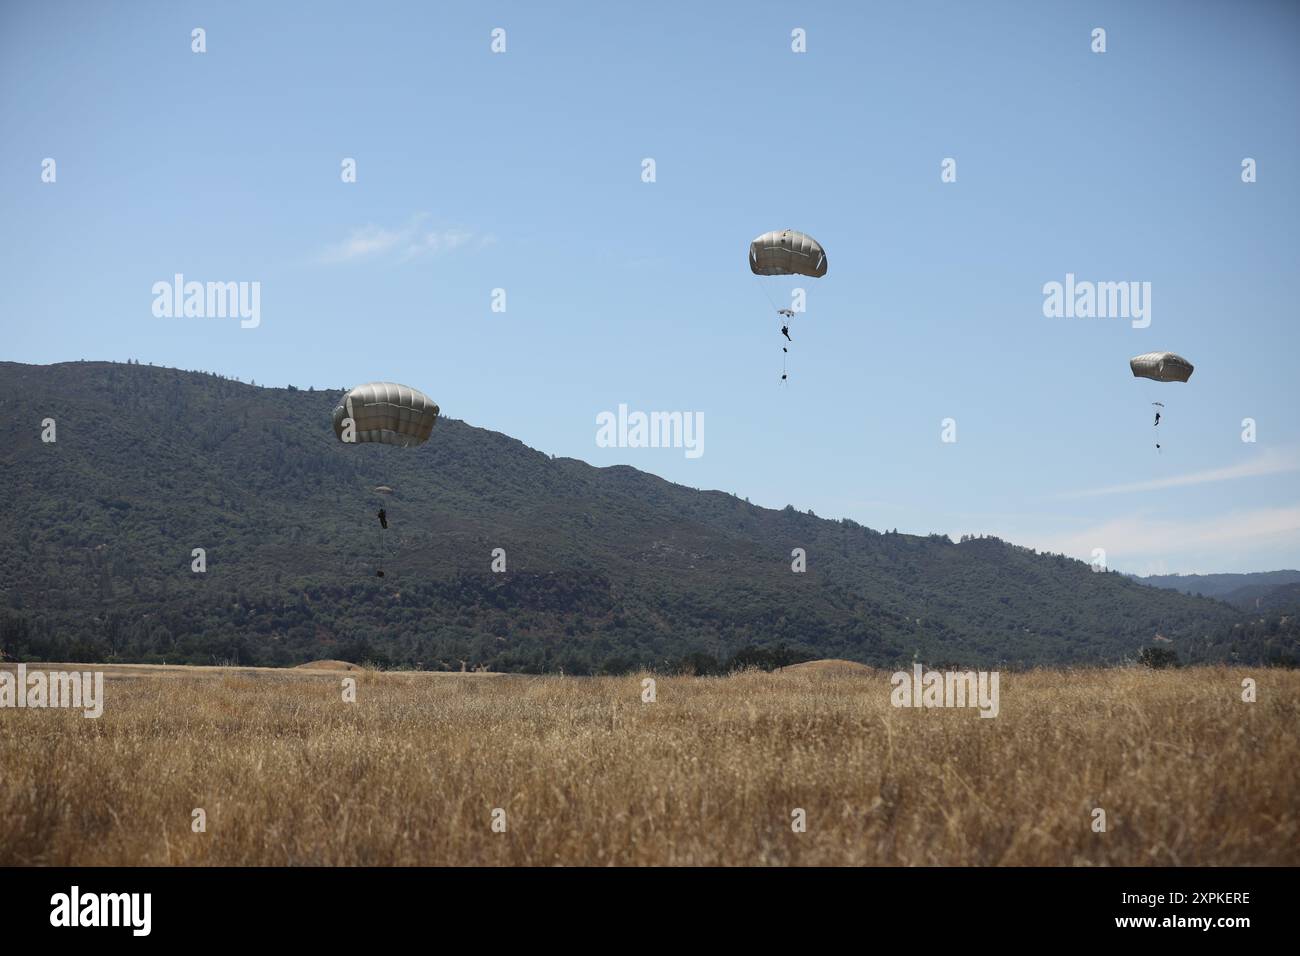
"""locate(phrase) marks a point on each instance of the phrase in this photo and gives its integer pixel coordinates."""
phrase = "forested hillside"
(606, 568)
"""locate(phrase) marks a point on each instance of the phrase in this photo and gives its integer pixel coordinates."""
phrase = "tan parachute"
(1161, 366)
(386, 412)
(787, 253)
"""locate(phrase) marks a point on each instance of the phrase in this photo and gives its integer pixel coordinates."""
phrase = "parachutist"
(383, 519)
(1157, 418)
(785, 330)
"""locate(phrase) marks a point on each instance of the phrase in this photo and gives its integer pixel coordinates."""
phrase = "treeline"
(494, 635)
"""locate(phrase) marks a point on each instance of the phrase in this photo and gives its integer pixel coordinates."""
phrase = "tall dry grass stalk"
(586, 773)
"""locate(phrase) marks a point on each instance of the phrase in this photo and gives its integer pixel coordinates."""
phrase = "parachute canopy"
(387, 412)
(787, 253)
(1161, 366)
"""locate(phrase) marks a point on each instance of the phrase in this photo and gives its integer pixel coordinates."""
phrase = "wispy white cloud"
(368, 241)
(1269, 463)
(412, 241)
(1138, 540)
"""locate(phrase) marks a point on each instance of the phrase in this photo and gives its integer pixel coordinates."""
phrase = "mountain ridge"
(607, 568)
(1253, 589)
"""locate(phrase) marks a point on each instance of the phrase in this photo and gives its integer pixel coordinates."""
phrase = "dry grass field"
(709, 773)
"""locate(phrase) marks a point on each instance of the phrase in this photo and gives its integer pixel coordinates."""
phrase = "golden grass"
(708, 774)
(328, 665)
(829, 665)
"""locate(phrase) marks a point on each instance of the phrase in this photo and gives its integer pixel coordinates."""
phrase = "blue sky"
(522, 171)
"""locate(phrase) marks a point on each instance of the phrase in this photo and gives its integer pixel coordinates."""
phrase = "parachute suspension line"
(1149, 393)
(1152, 389)
(777, 309)
(383, 552)
(767, 295)
(785, 350)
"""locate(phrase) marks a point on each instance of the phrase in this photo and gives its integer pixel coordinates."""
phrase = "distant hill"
(1283, 599)
(1257, 590)
(608, 568)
